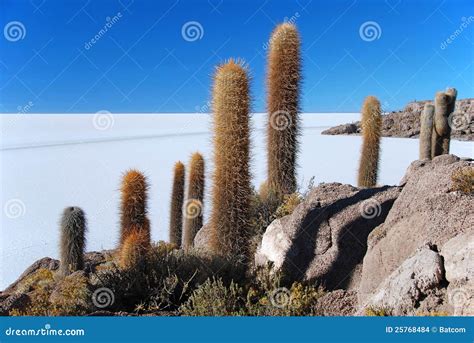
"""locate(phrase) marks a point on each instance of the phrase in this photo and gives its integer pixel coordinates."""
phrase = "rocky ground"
(406, 123)
(389, 250)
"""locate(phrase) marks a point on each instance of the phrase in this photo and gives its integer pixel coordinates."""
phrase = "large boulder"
(427, 210)
(325, 238)
(458, 255)
(413, 281)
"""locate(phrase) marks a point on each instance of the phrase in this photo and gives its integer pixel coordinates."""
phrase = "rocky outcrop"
(325, 238)
(427, 211)
(408, 285)
(202, 238)
(458, 255)
(406, 123)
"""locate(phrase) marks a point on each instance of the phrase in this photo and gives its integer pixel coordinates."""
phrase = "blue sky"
(147, 62)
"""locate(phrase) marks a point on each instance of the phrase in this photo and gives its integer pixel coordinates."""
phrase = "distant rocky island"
(406, 123)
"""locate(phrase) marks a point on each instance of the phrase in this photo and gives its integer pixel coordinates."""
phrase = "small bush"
(377, 312)
(463, 180)
(213, 298)
(289, 204)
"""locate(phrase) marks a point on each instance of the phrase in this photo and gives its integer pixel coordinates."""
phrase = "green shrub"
(213, 298)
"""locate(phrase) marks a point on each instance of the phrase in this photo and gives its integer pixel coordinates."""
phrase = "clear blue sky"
(143, 63)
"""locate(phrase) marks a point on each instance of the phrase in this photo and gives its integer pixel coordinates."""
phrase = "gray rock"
(325, 238)
(202, 239)
(426, 211)
(407, 285)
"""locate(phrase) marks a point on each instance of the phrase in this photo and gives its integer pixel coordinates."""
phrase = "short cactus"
(441, 127)
(426, 130)
(176, 209)
(231, 193)
(283, 82)
(371, 124)
(193, 207)
(134, 249)
(72, 242)
(133, 210)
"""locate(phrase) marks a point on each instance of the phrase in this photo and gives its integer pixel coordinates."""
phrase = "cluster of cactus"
(231, 193)
(371, 124)
(435, 129)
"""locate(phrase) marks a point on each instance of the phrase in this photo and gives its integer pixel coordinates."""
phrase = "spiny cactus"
(283, 82)
(72, 242)
(371, 124)
(452, 93)
(193, 206)
(133, 210)
(426, 130)
(176, 210)
(135, 247)
(231, 179)
(441, 127)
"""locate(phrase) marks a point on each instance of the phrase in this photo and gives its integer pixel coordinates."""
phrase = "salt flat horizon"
(50, 162)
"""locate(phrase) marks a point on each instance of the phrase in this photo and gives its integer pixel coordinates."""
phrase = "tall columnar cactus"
(283, 82)
(452, 93)
(133, 210)
(193, 207)
(441, 127)
(176, 210)
(426, 130)
(371, 124)
(231, 179)
(72, 242)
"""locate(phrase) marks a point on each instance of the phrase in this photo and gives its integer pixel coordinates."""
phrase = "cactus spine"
(133, 214)
(193, 207)
(426, 130)
(371, 124)
(72, 242)
(231, 179)
(176, 210)
(283, 82)
(441, 127)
